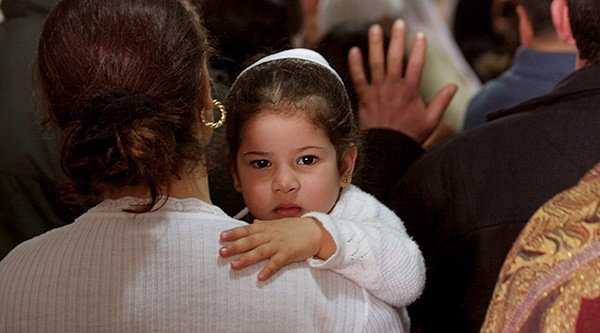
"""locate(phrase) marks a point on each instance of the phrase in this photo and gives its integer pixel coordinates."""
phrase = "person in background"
(396, 121)
(487, 34)
(30, 173)
(343, 19)
(294, 141)
(505, 40)
(445, 63)
(550, 280)
(466, 201)
(246, 30)
(134, 103)
(538, 65)
(472, 28)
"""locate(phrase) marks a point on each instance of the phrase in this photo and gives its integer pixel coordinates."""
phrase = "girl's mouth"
(288, 211)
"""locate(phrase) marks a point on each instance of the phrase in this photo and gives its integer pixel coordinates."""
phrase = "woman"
(126, 81)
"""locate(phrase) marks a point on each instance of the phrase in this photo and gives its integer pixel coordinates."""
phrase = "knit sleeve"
(373, 248)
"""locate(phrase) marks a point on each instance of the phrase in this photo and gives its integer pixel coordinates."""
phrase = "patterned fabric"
(550, 281)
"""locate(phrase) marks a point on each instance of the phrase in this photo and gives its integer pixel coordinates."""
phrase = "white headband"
(297, 53)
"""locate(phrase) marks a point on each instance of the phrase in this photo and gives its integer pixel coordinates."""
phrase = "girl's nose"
(285, 181)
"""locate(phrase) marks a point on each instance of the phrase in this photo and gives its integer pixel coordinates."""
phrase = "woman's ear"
(347, 166)
(205, 94)
(205, 107)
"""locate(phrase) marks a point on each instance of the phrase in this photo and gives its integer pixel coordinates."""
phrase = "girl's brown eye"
(307, 160)
(259, 164)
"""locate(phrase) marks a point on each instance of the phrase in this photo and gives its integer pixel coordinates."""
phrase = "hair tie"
(118, 106)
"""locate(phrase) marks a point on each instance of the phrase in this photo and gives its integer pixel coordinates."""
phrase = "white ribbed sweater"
(111, 271)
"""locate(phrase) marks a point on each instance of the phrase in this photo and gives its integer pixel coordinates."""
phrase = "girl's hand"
(281, 241)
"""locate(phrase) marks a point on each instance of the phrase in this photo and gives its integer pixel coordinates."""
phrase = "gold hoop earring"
(221, 121)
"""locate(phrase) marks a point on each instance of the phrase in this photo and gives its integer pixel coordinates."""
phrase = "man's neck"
(550, 45)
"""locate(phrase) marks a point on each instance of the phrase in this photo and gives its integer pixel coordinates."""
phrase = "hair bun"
(119, 134)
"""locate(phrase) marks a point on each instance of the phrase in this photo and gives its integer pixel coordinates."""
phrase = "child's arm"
(373, 248)
(362, 240)
(280, 241)
(381, 259)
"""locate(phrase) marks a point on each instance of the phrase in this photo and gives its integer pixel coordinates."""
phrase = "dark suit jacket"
(466, 201)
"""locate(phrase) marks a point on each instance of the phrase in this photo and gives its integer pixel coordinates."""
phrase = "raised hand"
(392, 99)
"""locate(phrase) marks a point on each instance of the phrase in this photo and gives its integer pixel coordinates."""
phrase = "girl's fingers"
(241, 232)
(252, 257)
(277, 261)
(243, 245)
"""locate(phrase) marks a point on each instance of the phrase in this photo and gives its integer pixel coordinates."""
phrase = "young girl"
(293, 143)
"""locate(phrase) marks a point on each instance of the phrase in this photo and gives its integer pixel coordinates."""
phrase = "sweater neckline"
(191, 205)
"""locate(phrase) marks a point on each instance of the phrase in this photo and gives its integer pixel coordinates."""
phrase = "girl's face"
(286, 166)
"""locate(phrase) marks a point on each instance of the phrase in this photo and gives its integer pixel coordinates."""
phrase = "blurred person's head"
(536, 29)
(539, 15)
(505, 25)
(244, 30)
(584, 26)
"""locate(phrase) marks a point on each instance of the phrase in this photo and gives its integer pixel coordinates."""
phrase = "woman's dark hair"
(585, 24)
(122, 80)
(287, 86)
